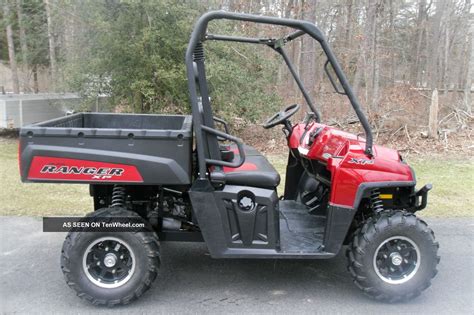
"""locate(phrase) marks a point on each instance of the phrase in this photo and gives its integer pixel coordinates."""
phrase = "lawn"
(36, 199)
(452, 195)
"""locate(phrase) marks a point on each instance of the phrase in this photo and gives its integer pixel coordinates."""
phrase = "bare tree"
(433, 115)
(375, 66)
(307, 53)
(417, 45)
(393, 41)
(367, 64)
(434, 44)
(349, 21)
(23, 42)
(469, 62)
(11, 47)
(51, 39)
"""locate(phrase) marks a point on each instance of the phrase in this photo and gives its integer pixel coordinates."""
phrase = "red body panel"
(295, 136)
(53, 168)
(343, 154)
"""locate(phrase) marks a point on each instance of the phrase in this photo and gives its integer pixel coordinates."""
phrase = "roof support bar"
(293, 35)
(238, 39)
(282, 52)
(303, 27)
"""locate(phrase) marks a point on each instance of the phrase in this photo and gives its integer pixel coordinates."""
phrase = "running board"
(301, 236)
(274, 229)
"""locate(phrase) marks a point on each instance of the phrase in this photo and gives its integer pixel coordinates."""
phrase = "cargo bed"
(103, 147)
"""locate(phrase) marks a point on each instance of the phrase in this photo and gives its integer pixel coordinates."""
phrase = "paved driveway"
(191, 282)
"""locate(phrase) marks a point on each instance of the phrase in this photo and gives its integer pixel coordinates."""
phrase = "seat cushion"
(249, 151)
(256, 171)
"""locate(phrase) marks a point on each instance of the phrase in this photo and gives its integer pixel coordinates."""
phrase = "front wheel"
(393, 257)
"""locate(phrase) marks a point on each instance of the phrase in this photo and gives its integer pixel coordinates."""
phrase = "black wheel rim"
(109, 262)
(397, 259)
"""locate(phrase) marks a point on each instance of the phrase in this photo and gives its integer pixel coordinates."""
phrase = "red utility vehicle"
(192, 182)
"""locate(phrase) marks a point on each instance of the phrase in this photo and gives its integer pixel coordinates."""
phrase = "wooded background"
(394, 52)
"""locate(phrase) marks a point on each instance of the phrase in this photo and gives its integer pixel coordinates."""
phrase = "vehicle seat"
(256, 170)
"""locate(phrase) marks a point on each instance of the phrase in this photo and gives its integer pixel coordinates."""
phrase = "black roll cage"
(201, 109)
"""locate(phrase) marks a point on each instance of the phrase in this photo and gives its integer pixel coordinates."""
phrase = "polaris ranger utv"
(193, 182)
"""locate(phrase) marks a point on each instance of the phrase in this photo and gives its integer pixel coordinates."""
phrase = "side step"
(293, 232)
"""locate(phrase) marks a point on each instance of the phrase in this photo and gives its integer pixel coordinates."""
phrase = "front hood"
(331, 142)
(335, 147)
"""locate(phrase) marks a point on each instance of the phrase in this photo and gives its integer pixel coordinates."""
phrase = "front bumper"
(421, 197)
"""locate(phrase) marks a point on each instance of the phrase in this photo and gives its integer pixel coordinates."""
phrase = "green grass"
(453, 185)
(33, 199)
(452, 194)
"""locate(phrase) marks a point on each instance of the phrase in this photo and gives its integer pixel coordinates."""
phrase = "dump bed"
(103, 147)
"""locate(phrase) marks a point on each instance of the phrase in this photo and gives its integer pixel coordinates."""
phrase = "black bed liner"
(159, 146)
(114, 125)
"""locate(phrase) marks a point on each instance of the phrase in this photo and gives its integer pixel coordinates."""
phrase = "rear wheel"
(110, 268)
(393, 256)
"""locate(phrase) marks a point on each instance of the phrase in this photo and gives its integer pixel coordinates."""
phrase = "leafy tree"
(134, 51)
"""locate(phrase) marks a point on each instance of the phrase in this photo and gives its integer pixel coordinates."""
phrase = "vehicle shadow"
(188, 270)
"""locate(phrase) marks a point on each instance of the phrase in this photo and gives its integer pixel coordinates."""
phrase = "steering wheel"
(281, 116)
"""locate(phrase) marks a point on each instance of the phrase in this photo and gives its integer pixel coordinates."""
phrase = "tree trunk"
(23, 44)
(288, 6)
(470, 67)
(446, 55)
(348, 29)
(394, 44)
(369, 53)
(283, 73)
(71, 28)
(52, 42)
(35, 79)
(433, 49)
(307, 52)
(446, 59)
(296, 49)
(375, 60)
(364, 73)
(415, 77)
(11, 48)
(433, 118)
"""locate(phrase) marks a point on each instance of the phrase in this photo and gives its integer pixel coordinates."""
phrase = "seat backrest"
(211, 143)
